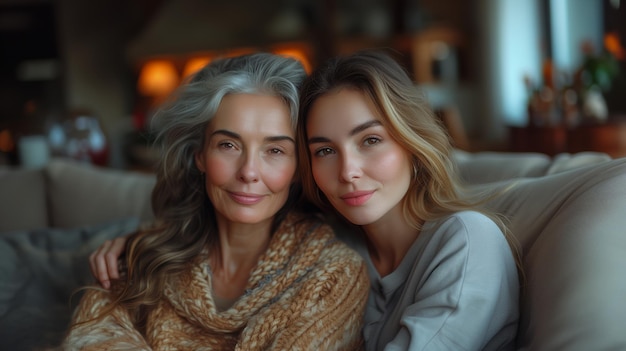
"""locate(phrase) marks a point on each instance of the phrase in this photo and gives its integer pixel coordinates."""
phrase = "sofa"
(51, 219)
(567, 212)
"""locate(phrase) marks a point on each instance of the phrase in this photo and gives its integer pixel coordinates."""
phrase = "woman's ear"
(198, 158)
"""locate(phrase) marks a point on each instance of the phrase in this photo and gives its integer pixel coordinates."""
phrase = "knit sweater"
(307, 292)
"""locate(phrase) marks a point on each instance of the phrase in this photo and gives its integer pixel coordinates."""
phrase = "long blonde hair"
(435, 189)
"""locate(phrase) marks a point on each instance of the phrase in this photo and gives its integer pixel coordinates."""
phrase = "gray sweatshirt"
(457, 288)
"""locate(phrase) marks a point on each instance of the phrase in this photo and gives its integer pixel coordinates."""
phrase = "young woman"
(231, 263)
(443, 276)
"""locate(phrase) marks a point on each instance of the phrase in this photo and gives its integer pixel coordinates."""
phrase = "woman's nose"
(249, 171)
(350, 168)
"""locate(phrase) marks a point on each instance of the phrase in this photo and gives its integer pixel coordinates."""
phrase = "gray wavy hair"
(185, 217)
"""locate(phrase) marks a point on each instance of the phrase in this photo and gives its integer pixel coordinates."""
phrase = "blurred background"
(81, 79)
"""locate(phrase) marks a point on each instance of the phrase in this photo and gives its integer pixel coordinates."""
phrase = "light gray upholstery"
(571, 226)
(488, 167)
(68, 194)
(81, 195)
(22, 199)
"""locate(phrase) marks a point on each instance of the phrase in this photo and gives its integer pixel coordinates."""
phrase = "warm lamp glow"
(295, 54)
(194, 65)
(6, 141)
(613, 45)
(157, 78)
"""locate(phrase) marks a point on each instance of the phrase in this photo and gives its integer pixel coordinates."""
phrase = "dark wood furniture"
(609, 137)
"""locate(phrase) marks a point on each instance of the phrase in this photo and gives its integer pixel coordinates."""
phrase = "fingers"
(98, 265)
(112, 256)
(104, 261)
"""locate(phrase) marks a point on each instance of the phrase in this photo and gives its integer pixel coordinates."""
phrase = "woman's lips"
(357, 198)
(246, 199)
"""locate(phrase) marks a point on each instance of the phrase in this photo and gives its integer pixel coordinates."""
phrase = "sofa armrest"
(570, 226)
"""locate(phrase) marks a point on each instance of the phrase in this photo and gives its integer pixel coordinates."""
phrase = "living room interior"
(542, 76)
(532, 93)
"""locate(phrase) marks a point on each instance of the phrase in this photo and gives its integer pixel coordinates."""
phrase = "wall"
(574, 22)
(97, 76)
(512, 49)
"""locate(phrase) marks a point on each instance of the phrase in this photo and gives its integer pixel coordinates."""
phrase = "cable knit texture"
(307, 292)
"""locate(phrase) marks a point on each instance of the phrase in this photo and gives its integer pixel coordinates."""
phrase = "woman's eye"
(226, 145)
(276, 151)
(323, 152)
(371, 141)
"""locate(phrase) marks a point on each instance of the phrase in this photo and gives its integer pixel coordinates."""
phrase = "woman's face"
(249, 158)
(356, 163)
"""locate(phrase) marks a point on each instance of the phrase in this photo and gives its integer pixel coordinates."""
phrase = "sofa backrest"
(80, 194)
(488, 167)
(22, 199)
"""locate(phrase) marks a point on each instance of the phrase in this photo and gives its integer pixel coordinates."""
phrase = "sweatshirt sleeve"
(468, 298)
(111, 331)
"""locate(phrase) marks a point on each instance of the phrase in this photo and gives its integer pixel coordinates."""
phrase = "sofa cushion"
(81, 194)
(566, 161)
(571, 227)
(488, 167)
(23, 195)
(39, 271)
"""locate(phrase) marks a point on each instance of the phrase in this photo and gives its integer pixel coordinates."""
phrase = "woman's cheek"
(320, 176)
(219, 171)
(280, 176)
(389, 165)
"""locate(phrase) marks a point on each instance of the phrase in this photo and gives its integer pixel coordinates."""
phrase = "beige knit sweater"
(307, 292)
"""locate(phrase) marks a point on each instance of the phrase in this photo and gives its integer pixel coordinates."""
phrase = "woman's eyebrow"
(314, 140)
(234, 135)
(354, 131)
(364, 126)
(227, 133)
(280, 138)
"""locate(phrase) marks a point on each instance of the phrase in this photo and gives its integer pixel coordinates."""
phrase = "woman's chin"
(359, 218)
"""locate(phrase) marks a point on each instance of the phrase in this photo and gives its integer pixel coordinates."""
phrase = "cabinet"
(609, 138)
(549, 140)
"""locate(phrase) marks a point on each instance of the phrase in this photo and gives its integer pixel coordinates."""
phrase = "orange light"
(194, 65)
(6, 141)
(295, 53)
(613, 45)
(157, 78)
